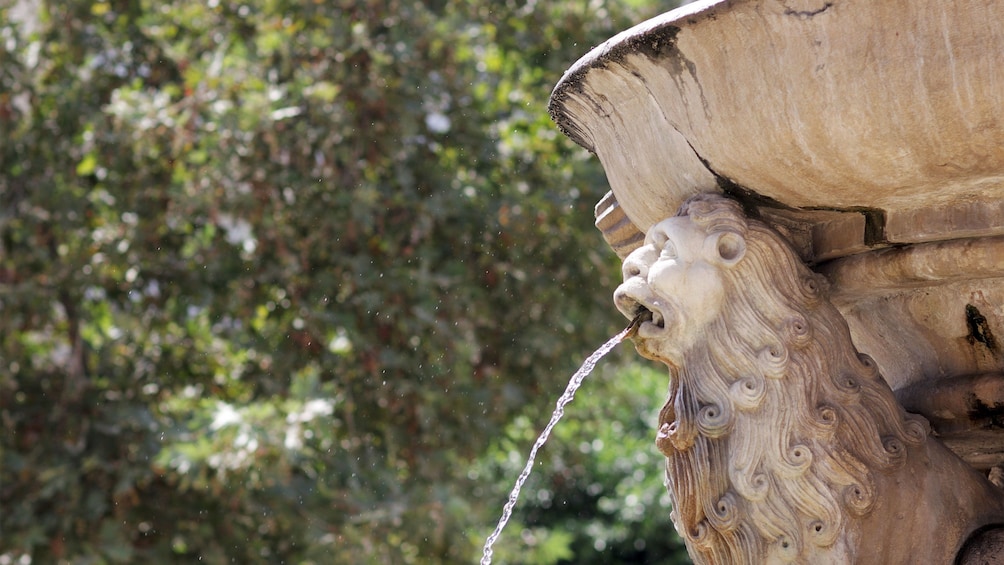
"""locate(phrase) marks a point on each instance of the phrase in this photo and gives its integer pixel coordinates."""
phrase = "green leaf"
(87, 165)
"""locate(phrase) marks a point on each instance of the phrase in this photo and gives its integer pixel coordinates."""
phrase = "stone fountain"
(867, 138)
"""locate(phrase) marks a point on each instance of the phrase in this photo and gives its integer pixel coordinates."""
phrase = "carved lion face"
(674, 280)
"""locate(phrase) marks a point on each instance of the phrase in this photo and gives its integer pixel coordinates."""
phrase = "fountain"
(861, 144)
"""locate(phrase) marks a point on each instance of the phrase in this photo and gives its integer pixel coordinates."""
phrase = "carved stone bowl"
(871, 134)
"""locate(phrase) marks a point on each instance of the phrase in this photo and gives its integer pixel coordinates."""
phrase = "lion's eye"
(668, 251)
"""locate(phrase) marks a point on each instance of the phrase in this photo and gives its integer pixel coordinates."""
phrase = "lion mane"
(775, 424)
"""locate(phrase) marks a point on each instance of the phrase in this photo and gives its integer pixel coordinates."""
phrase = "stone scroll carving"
(783, 443)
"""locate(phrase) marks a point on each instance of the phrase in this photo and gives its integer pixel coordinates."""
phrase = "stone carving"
(783, 443)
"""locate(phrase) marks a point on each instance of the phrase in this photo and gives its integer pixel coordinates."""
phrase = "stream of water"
(573, 385)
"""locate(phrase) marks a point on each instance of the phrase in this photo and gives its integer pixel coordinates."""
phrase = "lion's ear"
(730, 247)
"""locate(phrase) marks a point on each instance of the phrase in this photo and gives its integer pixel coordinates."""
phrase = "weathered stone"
(926, 311)
(870, 136)
(891, 108)
(985, 548)
(620, 234)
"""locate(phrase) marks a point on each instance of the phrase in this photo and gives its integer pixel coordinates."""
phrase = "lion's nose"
(625, 302)
(636, 264)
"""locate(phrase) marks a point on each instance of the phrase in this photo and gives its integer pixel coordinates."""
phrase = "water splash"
(573, 385)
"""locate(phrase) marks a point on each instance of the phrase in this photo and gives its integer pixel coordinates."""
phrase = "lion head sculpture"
(775, 425)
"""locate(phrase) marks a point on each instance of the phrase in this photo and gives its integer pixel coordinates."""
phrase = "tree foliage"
(275, 275)
(597, 495)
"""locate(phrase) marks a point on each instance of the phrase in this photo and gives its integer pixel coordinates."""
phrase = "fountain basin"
(888, 113)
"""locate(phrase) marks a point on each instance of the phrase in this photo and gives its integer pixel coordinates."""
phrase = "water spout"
(573, 385)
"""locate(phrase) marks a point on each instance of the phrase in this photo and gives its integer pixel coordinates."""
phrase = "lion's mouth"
(643, 314)
(647, 317)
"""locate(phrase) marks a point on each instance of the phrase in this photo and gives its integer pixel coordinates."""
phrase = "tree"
(275, 275)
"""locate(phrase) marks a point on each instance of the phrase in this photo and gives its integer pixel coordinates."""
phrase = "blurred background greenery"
(300, 282)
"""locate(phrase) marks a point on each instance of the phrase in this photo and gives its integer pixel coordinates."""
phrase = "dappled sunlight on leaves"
(274, 275)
